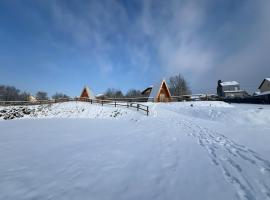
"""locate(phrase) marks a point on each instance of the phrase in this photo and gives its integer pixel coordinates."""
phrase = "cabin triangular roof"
(156, 89)
(266, 79)
(89, 92)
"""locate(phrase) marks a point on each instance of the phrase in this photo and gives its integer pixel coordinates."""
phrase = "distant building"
(100, 96)
(87, 93)
(230, 89)
(265, 85)
(146, 92)
(31, 98)
(158, 93)
(264, 90)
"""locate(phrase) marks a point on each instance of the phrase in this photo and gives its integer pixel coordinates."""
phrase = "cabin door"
(162, 97)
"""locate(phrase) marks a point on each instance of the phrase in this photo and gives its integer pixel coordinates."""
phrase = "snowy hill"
(187, 150)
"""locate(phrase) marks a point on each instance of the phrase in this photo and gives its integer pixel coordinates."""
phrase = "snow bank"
(243, 114)
(71, 110)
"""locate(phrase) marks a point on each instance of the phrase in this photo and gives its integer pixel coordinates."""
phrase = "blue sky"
(60, 46)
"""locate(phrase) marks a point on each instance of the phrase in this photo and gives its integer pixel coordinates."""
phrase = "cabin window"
(235, 88)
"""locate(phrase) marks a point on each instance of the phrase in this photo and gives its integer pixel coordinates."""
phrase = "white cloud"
(238, 50)
(168, 36)
(176, 35)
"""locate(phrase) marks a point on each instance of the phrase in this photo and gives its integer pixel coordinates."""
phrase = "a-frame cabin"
(160, 93)
(87, 93)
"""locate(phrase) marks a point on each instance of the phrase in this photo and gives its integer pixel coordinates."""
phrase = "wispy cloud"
(134, 43)
(207, 40)
(176, 35)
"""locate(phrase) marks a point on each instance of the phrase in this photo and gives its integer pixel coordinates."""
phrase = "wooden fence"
(137, 106)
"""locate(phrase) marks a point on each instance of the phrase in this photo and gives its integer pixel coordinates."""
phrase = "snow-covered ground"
(187, 150)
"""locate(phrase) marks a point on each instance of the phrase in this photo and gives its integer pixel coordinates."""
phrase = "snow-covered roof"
(229, 83)
(234, 91)
(199, 95)
(155, 90)
(262, 93)
(267, 79)
(100, 95)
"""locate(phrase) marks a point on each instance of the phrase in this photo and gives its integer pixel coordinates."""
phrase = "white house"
(264, 90)
(265, 86)
(230, 89)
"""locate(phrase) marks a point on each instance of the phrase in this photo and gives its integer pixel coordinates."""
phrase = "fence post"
(138, 107)
(91, 101)
(115, 104)
(127, 105)
(147, 110)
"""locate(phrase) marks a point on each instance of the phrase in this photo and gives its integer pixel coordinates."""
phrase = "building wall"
(266, 86)
(234, 94)
(231, 88)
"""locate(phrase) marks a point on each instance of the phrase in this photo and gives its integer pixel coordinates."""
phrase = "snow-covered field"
(187, 150)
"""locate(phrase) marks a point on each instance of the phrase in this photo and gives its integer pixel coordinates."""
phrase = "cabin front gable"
(163, 94)
(84, 94)
(265, 86)
(87, 93)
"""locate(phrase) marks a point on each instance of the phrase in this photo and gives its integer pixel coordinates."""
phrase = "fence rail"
(139, 107)
(117, 103)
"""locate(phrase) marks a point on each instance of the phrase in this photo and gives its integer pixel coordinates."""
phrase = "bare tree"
(42, 95)
(133, 93)
(178, 85)
(59, 95)
(110, 92)
(11, 93)
(119, 94)
(24, 96)
(113, 93)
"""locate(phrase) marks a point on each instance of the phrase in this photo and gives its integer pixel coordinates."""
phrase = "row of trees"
(11, 93)
(177, 85)
(116, 93)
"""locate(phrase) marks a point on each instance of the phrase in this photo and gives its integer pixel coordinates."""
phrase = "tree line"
(177, 85)
(11, 93)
